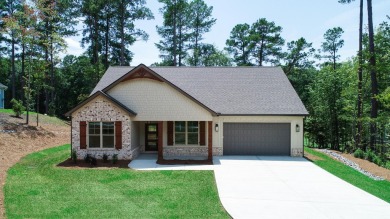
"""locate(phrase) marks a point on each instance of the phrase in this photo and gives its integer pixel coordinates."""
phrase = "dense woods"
(348, 101)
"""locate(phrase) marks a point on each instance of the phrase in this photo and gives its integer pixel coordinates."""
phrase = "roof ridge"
(254, 67)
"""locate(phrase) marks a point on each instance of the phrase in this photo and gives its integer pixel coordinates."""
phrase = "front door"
(151, 137)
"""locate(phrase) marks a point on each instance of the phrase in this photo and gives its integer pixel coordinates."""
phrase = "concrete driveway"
(280, 187)
(286, 187)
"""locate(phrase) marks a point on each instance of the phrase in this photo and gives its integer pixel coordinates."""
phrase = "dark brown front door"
(151, 137)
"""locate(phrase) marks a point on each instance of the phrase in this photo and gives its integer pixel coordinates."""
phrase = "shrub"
(17, 107)
(377, 160)
(114, 158)
(74, 156)
(105, 158)
(387, 166)
(93, 161)
(359, 153)
(87, 158)
(370, 155)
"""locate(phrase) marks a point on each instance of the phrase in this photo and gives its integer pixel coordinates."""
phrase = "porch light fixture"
(216, 127)
(297, 129)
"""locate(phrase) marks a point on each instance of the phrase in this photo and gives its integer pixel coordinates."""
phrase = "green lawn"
(8, 111)
(36, 188)
(381, 189)
(33, 117)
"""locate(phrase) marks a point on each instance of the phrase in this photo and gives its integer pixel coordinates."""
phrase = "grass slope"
(45, 119)
(378, 188)
(36, 188)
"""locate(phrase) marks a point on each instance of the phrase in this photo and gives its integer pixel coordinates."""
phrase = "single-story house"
(189, 112)
(2, 94)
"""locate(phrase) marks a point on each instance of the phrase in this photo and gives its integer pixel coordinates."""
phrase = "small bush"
(74, 156)
(105, 158)
(93, 161)
(387, 166)
(17, 107)
(370, 155)
(359, 153)
(377, 160)
(87, 158)
(114, 158)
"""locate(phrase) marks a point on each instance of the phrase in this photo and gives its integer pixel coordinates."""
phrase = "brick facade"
(101, 109)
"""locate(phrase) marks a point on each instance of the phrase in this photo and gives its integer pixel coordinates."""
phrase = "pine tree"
(238, 44)
(200, 23)
(174, 31)
(373, 76)
(360, 74)
(93, 10)
(298, 55)
(8, 11)
(332, 44)
(124, 31)
(266, 42)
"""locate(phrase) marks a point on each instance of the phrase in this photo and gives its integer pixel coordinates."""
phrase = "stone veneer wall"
(185, 151)
(101, 109)
(217, 151)
(296, 152)
(190, 151)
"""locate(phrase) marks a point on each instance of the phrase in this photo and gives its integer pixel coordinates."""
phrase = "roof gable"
(108, 97)
(142, 71)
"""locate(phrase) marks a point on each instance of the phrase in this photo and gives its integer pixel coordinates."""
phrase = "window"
(187, 133)
(101, 135)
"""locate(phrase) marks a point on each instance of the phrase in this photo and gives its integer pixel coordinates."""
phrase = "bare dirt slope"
(369, 166)
(18, 139)
(364, 164)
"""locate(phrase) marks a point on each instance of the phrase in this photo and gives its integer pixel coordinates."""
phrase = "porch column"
(210, 141)
(160, 140)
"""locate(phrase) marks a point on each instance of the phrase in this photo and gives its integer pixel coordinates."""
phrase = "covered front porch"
(175, 142)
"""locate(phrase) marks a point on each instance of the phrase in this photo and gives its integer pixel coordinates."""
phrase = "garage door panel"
(256, 138)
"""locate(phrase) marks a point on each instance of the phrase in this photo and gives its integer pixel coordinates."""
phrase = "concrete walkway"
(148, 162)
(282, 187)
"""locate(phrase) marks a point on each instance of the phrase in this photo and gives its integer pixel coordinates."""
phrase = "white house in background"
(190, 113)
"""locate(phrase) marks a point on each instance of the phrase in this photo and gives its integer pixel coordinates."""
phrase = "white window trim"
(101, 136)
(186, 134)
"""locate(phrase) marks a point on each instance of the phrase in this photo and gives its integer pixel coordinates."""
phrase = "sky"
(298, 18)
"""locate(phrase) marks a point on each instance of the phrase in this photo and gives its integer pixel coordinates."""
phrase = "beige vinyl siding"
(157, 101)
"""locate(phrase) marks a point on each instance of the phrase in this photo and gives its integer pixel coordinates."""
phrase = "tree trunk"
(122, 26)
(360, 79)
(374, 82)
(23, 57)
(13, 64)
(196, 49)
(174, 35)
(180, 44)
(47, 73)
(37, 108)
(261, 54)
(52, 78)
(96, 46)
(106, 38)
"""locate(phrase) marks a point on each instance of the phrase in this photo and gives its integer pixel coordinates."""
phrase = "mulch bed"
(312, 157)
(100, 164)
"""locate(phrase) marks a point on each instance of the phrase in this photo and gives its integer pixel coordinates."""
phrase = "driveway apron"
(287, 187)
